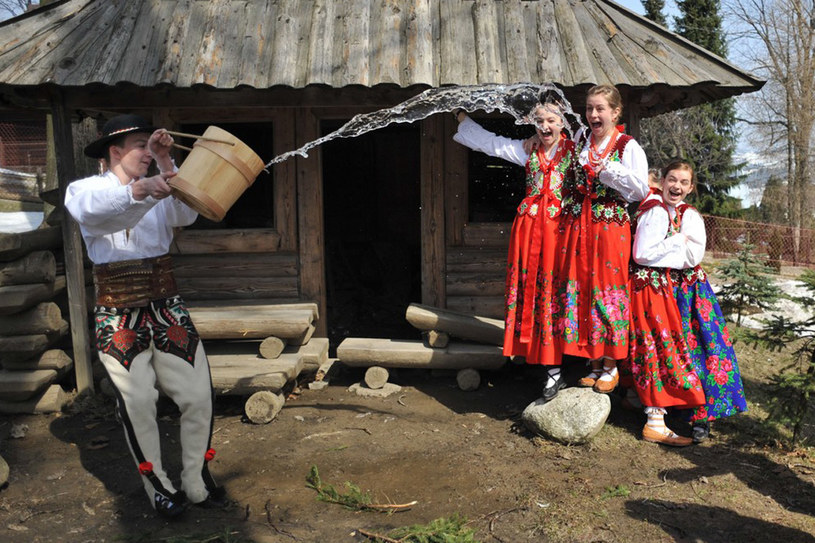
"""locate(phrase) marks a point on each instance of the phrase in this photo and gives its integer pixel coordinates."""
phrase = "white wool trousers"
(157, 346)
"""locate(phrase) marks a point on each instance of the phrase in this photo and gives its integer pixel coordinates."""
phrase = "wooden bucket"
(214, 174)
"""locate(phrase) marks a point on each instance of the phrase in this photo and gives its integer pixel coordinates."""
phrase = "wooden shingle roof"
(225, 44)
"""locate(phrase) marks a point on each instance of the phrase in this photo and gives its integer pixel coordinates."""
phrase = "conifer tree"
(746, 283)
(653, 11)
(703, 134)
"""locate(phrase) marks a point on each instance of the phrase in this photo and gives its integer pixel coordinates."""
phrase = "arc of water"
(517, 100)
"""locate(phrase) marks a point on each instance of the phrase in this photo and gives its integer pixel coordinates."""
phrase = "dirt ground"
(454, 452)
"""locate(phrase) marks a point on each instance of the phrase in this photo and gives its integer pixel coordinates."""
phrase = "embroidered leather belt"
(134, 283)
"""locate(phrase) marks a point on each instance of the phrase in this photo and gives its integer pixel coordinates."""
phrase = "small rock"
(4, 472)
(386, 390)
(317, 385)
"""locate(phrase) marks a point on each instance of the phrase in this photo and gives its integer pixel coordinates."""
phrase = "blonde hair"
(612, 96)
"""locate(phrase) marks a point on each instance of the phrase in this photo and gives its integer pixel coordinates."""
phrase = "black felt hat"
(118, 126)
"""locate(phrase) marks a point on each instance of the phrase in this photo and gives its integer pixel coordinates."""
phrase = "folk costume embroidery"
(530, 262)
(708, 339)
(590, 299)
(659, 363)
(124, 333)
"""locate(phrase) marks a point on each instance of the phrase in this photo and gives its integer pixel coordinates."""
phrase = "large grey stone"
(574, 416)
(4, 472)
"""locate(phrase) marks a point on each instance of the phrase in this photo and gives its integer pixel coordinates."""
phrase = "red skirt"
(591, 301)
(528, 316)
(659, 364)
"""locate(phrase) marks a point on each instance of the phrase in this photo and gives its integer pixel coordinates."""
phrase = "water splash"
(517, 100)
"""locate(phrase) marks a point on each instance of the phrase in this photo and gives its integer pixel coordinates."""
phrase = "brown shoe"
(604, 387)
(587, 381)
(670, 438)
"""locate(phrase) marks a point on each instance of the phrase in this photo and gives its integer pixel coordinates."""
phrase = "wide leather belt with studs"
(134, 283)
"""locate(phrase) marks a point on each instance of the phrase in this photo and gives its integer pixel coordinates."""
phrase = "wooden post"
(72, 247)
(310, 217)
(285, 181)
(432, 202)
(456, 176)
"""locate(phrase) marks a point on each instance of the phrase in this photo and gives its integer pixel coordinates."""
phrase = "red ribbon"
(146, 468)
(209, 455)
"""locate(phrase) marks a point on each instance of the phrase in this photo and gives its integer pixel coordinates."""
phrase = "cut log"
(262, 304)
(52, 400)
(388, 353)
(250, 322)
(53, 359)
(263, 406)
(327, 370)
(436, 339)
(376, 377)
(246, 374)
(460, 325)
(16, 386)
(17, 245)
(314, 353)
(303, 338)
(36, 267)
(43, 318)
(16, 298)
(16, 348)
(468, 379)
(271, 347)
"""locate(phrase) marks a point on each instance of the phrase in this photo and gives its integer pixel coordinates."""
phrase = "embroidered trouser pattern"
(158, 345)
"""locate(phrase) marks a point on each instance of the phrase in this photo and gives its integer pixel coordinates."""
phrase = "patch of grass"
(354, 498)
(619, 491)
(450, 529)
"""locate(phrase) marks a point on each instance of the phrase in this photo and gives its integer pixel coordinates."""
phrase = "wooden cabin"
(362, 226)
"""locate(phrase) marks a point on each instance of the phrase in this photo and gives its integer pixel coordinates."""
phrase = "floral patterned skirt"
(711, 351)
(659, 363)
(591, 301)
(528, 318)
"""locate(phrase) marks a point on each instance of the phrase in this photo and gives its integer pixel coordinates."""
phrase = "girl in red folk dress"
(591, 298)
(534, 238)
(660, 362)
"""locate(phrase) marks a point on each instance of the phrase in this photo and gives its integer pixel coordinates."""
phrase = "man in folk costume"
(144, 333)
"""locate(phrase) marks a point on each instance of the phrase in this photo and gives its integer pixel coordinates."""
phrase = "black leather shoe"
(215, 500)
(551, 391)
(171, 506)
(701, 431)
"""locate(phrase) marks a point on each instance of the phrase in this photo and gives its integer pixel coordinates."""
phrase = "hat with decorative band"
(119, 125)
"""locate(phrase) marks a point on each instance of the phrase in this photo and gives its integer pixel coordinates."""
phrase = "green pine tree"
(793, 388)
(653, 11)
(746, 283)
(704, 134)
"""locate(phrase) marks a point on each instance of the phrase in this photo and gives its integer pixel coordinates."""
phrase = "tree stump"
(271, 347)
(263, 406)
(376, 377)
(468, 379)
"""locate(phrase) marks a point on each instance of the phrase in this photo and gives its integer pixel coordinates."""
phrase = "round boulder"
(574, 416)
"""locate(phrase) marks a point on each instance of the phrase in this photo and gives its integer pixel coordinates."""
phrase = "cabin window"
(255, 207)
(496, 186)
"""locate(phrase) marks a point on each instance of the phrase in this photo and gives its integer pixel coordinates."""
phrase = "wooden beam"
(285, 181)
(310, 216)
(460, 325)
(432, 204)
(392, 353)
(72, 247)
(456, 177)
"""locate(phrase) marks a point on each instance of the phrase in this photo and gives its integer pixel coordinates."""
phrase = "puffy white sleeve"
(473, 135)
(653, 248)
(105, 210)
(693, 226)
(629, 177)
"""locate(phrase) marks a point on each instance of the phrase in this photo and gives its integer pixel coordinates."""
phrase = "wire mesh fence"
(23, 146)
(780, 245)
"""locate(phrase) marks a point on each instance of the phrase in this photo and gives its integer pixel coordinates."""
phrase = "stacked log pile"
(477, 345)
(257, 348)
(31, 323)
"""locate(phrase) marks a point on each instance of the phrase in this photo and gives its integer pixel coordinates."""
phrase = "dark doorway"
(372, 232)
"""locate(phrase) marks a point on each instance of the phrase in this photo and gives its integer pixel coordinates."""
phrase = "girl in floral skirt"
(704, 327)
(534, 238)
(659, 362)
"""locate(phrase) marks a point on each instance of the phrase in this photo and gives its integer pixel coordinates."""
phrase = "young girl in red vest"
(534, 238)
(591, 298)
(660, 363)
